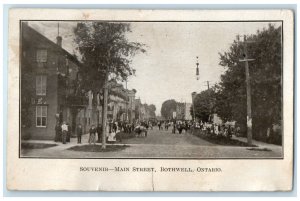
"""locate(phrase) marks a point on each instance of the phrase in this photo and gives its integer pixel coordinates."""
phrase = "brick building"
(50, 91)
(48, 73)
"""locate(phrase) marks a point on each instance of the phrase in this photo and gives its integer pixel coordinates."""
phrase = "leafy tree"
(265, 79)
(152, 110)
(204, 103)
(104, 48)
(167, 108)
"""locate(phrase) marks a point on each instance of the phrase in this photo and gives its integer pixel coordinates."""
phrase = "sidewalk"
(259, 144)
(61, 146)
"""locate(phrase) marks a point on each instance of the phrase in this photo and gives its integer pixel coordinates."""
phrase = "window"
(40, 86)
(41, 56)
(41, 116)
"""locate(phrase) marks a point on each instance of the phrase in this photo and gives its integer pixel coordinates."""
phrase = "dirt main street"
(158, 144)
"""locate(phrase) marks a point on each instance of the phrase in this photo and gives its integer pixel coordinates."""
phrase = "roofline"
(54, 44)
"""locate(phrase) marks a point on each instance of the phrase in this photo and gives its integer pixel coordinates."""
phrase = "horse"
(141, 131)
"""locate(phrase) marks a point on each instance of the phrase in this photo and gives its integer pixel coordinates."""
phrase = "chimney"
(59, 40)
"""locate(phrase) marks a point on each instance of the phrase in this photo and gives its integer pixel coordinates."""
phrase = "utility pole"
(210, 115)
(127, 101)
(193, 102)
(248, 88)
(195, 93)
(210, 106)
(207, 84)
(105, 98)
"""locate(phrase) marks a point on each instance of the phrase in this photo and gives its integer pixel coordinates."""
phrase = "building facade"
(183, 111)
(51, 92)
(47, 75)
(187, 111)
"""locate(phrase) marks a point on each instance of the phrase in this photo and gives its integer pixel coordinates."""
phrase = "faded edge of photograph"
(151, 90)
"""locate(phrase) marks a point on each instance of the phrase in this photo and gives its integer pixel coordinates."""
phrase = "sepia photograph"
(151, 89)
(150, 100)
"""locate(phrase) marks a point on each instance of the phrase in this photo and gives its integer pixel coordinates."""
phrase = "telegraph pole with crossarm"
(248, 88)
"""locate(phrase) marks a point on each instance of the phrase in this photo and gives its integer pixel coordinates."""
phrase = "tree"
(265, 78)
(152, 110)
(204, 103)
(104, 48)
(106, 54)
(167, 108)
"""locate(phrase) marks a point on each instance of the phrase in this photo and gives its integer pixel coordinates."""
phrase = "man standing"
(92, 135)
(57, 132)
(64, 128)
(69, 133)
(79, 133)
(174, 127)
(99, 132)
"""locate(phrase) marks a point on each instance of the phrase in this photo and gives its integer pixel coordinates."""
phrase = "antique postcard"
(150, 100)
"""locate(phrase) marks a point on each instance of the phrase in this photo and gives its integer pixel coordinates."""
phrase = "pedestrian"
(238, 131)
(112, 136)
(57, 132)
(217, 130)
(79, 133)
(114, 126)
(179, 127)
(99, 133)
(92, 135)
(174, 127)
(64, 128)
(119, 134)
(229, 132)
(213, 129)
(69, 133)
(159, 125)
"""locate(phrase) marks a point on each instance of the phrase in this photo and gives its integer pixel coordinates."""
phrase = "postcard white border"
(43, 174)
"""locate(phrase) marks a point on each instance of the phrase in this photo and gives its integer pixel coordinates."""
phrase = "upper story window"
(41, 85)
(41, 56)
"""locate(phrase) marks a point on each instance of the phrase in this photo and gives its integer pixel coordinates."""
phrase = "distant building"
(137, 109)
(183, 111)
(187, 111)
(131, 105)
(180, 111)
(117, 103)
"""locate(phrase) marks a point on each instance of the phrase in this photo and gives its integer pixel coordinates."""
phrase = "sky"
(168, 68)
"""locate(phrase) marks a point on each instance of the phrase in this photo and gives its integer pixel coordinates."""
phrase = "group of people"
(207, 128)
(178, 125)
(141, 128)
(114, 131)
(63, 132)
(216, 129)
